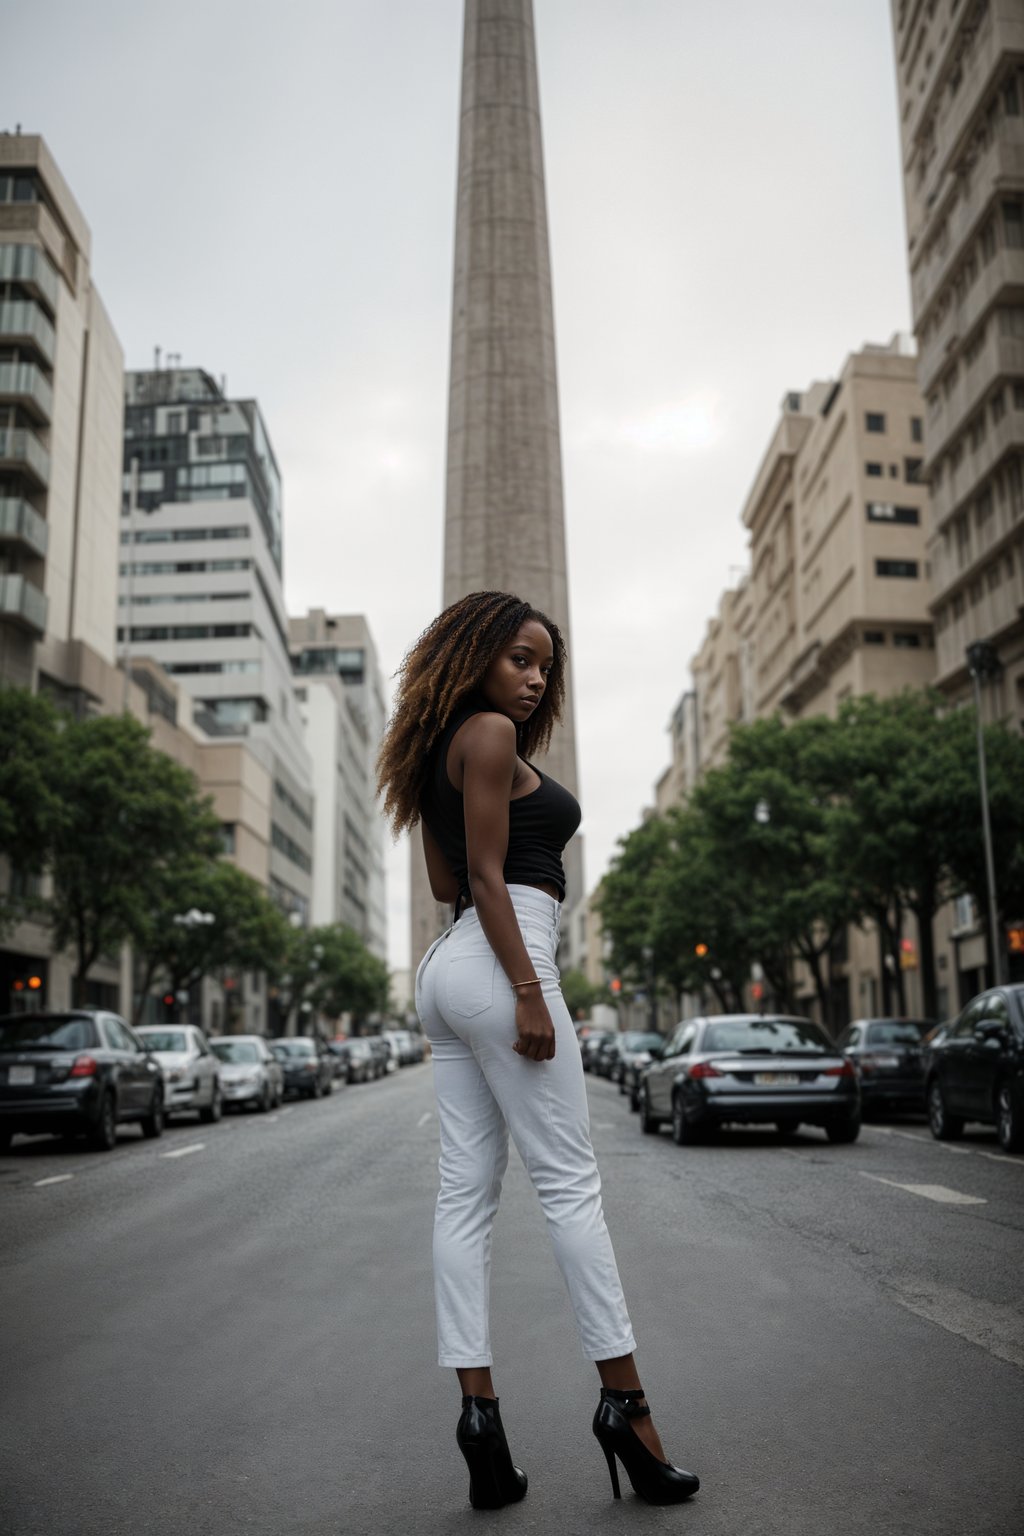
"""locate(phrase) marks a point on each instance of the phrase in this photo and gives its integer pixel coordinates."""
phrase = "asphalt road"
(230, 1330)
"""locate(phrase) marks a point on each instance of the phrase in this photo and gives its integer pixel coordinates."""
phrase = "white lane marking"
(944, 1146)
(997, 1157)
(57, 1178)
(427, 1115)
(992, 1325)
(286, 1111)
(197, 1146)
(914, 1136)
(937, 1192)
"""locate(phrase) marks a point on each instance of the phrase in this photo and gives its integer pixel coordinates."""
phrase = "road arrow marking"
(427, 1115)
(937, 1192)
(197, 1146)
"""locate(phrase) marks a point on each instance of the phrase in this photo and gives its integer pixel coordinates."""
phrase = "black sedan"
(749, 1069)
(889, 1057)
(308, 1067)
(975, 1069)
(635, 1048)
(82, 1072)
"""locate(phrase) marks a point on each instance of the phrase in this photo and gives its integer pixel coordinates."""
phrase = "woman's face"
(515, 681)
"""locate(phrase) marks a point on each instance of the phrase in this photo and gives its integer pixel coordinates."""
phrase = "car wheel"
(787, 1128)
(5, 1140)
(211, 1113)
(153, 1123)
(1009, 1119)
(103, 1135)
(263, 1102)
(648, 1124)
(634, 1100)
(943, 1125)
(847, 1129)
(279, 1098)
(330, 1087)
(683, 1133)
(316, 1090)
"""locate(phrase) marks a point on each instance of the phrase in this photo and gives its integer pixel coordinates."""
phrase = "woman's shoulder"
(488, 731)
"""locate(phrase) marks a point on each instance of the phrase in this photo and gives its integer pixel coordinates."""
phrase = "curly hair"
(448, 661)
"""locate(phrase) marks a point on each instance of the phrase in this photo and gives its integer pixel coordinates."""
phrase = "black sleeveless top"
(539, 823)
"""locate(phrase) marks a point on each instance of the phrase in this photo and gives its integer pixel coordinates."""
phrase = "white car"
(249, 1071)
(191, 1071)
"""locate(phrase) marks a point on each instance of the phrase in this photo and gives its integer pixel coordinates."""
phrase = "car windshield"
(897, 1032)
(637, 1040)
(295, 1047)
(752, 1036)
(164, 1039)
(33, 1031)
(235, 1050)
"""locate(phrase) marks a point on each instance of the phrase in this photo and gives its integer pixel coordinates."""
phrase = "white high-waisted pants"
(486, 1089)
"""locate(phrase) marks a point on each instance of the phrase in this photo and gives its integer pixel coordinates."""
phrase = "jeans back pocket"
(470, 983)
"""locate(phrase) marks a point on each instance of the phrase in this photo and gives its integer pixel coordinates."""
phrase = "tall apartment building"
(201, 589)
(960, 77)
(339, 691)
(61, 407)
(836, 600)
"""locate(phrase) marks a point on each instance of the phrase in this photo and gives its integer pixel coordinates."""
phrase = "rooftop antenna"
(156, 359)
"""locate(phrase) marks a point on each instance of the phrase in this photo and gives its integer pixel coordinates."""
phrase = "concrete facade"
(504, 514)
(339, 691)
(960, 76)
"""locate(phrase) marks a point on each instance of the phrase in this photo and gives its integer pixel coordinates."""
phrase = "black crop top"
(539, 823)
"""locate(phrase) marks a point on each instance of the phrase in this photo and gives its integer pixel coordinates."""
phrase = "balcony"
(997, 38)
(1002, 281)
(998, 171)
(21, 452)
(26, 385)
(23, 604)
(28, 266)
(23, 324)
(1002, 357)
(21, 524)
(957, 486)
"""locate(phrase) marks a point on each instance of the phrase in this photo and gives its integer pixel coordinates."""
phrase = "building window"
(907, 569)
(227, 836)
(1013, 225)
(1018, 397)
(874, 637)
(912, 471)
(875, 421)
(873, 470)
(916, 429)
(885, 512)
(905, 641)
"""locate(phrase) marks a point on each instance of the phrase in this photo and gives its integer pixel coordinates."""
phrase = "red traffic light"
(700, 950)
(168, 999)
(615, 984)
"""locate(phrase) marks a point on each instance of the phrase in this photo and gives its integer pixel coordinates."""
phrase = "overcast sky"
(270, 190)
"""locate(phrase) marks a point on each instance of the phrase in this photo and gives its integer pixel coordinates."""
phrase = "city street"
(231, 1329)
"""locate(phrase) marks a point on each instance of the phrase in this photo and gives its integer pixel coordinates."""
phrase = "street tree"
(30, 801)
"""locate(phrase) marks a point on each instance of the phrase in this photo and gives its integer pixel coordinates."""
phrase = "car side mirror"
(991, 1029)
(656, 1052)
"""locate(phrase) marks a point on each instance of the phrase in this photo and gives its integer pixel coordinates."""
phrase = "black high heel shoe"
(654, 1480)
(494, 1479)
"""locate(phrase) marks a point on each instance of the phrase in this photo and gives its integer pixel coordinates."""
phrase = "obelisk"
(504, 513)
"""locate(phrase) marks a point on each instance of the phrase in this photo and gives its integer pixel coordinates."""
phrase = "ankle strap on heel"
(629, 1402)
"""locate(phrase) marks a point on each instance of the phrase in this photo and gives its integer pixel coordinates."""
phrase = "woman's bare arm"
(488, 751)
(443, 884)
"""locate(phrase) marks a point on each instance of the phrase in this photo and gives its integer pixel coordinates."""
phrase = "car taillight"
(846, 1070)
(85, 1066)
(704, 1069)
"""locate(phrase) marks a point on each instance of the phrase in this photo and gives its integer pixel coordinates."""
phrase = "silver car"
(250, 1074)
(191, 1071)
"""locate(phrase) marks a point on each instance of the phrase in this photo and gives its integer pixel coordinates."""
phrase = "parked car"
(749, 1069)
(635, 1047)
(888, 1055)
(975, 1069)
(397, 1047)
(190, 1070)
(249, 1072)
(360, 1065)
(590, 1044)
(339, 1059)
(79, 1072)
(307, 1065)
(607, 1054)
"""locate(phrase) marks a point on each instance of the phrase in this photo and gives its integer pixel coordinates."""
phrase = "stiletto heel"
(494, 1479)
(609, 1456)
(654, 1480)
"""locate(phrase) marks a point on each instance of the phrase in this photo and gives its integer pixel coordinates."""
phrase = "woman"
(478, 694)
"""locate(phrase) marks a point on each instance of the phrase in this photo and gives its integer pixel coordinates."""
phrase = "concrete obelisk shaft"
(504, 514)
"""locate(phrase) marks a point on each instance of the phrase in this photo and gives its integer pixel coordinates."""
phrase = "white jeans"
(486, 1089)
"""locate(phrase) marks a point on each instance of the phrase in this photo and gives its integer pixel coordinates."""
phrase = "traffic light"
(701, 951)
(616, 984)
(168, 999)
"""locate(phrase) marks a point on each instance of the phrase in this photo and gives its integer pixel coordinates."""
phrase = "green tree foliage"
(30, 803)
(579, 995)
(129, 815)
(327, 970)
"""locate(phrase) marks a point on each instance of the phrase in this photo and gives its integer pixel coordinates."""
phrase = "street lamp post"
(193, 918)
(982, 661)
(652, 1001)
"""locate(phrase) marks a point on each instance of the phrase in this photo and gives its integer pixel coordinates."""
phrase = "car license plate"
(776, 1079)
(21, 1074)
